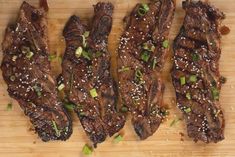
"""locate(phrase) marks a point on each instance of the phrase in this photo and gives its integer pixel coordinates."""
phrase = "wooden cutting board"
(16, 139)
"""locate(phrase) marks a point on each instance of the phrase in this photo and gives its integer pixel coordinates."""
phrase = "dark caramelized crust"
(140, 82)
(195, 73)
(26, 70)
(82, 74)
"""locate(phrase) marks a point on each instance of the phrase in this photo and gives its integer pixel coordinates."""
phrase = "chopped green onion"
(98, 54)
(52, 57)
(86, 55)
(12, 78)
(154, 63)
(14, 58)
(182, 80)
(69, 106)
(87, 150)
(9, 106)
(165, 44)
(143, 9)
(187, 110)
(25, 49)
(61, 87)
(54, 126)
(123, 69)
(145, 56)
(93, 93)
(193, 78)
(138, 76)
(175, 121)
(29, 55)
(164, 112)
(118, 138)
(188, 96)
(146, 47)
(37, 89)
(217, 113)
(78, 52)
(195, 57)
(86, 34)
(124, 109)
(215, 93)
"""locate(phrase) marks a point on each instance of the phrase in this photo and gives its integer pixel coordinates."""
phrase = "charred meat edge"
(195, 72)
(140, 84)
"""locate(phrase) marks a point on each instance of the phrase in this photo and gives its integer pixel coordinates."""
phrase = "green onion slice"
(124, 69)
(188, 96)
(87, 150)
(9, 106)
(182, 80)
(165, 43)
(69, 106)
(118, 138)
(78, 52)
(215, 93)
(29, 55)
(86, 55)
(175, 121)
(52, 57)
(61, 87)
(145, 56)
(195, 57)
(37, 89)
(193, 78)
(93, 93)
(124, 109)
(154, 63)
(187, 110)
(54, 126)
(143, 9)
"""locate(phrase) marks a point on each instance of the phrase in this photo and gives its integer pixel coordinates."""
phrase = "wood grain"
(16, 140)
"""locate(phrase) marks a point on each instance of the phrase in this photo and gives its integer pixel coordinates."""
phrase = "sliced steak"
(195, 73)
(86, 74)
(26, 70)
(141, 55)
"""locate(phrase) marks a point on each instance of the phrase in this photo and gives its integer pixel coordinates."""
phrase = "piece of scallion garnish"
(165, 44)
(61, 87)
(52, 57)
(193, 78)
(78, 52)
(124, 69)
(145, 56)
(143, 9)
(175, 121)
(187, 110)
(87, 150)
(188, 96)
(182, 80)
(54, 126)
(215, 93)
(38, 90)
(154, 63)
(9, 106)
(29, 54)
(86, 55)
(93, 93)
(195, 57)
(118, 138)
(124, 109)
(69, 106)
(12, 78)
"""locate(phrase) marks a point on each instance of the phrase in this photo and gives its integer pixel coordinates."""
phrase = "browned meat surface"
(141, 55)
(195, 73)
(86, 74)
(26, 70)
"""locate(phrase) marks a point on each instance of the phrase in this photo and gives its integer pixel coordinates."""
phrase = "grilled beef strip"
(26, 70)
(195, 73)
(86, 74)
(141, 55)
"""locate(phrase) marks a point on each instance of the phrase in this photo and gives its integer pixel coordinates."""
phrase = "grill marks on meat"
(196, 55)
(26, 70)
(140, 82)
(98, 115)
